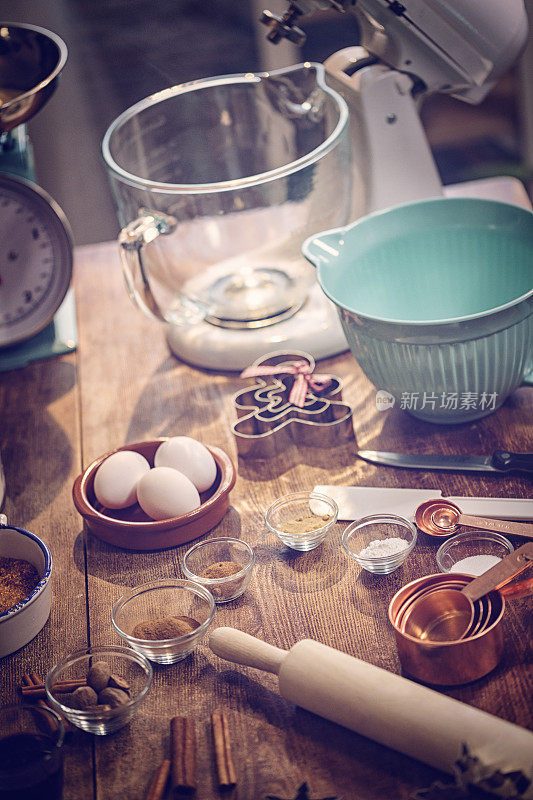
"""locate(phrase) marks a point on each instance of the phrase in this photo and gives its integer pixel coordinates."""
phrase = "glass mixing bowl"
(217, 183)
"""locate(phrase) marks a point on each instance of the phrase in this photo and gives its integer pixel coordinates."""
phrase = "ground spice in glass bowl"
(223, 565)
(164, 628)
(302, 520)
(222, 569)
(18, 578)
(305, 524)
(164, 619)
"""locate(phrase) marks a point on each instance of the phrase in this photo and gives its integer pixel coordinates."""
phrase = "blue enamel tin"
(23, 621)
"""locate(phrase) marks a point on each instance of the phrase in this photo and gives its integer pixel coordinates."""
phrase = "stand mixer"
(408, 50)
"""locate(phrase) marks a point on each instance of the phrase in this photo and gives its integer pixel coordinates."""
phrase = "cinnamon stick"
(183, 755)
(227, 778)
(37, 691)
(157, 785)
(33, 692)
(31, 679)
(46, 722)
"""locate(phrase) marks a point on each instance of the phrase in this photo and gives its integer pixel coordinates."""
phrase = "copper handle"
(510, 566)
(502, 526)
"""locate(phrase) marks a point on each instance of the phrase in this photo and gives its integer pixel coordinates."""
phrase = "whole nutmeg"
(83, 697)
(112, 697)
(98, 675)
(118, 682)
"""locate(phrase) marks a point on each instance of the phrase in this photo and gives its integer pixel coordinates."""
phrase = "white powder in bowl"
(384, 547)
(475, 565)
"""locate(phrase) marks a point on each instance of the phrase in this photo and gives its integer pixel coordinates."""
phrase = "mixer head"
(453, 46)
(31, 60)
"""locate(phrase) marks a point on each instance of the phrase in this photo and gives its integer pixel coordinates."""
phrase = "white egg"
(163, 492)
(115, 482)
(190, 457)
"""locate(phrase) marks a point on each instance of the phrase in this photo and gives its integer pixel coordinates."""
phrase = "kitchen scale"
(37, 317)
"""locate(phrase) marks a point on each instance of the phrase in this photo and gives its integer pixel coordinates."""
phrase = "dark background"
(123, 50)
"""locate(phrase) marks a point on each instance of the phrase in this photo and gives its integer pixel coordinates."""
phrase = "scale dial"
(35, 259)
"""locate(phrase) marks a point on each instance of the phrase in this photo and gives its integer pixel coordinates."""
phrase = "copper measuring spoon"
(448, 615)
(442, 518)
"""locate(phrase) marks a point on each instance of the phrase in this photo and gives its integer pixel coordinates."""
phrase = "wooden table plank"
(40, 447)
(130, 388)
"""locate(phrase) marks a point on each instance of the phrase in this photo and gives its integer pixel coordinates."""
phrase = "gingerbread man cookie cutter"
(289, 404)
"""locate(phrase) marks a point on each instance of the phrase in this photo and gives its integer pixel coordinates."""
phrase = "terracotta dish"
(131, 528)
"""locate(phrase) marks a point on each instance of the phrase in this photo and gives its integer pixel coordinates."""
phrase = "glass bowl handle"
(132, 240)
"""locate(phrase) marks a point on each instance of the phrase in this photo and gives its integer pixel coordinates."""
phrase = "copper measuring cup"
(482, 608)
(448, 663)
(422, 591)
(442, 518)
(447, 615)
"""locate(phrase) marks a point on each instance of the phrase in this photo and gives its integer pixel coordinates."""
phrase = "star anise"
(440, 791)
(302, 794)
(472, 778)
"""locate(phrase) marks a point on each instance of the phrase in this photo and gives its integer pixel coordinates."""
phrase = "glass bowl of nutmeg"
(222, 565)
(164, 619)
(99, 689)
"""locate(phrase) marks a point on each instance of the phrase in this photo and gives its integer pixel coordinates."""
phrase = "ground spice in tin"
(306, 524)
(18, 578)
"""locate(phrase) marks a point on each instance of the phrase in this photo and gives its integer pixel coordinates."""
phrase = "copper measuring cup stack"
(443, 518)
(451, 613)
(451, 662)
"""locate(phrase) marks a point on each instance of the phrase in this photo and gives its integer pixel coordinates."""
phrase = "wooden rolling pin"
(387, 708)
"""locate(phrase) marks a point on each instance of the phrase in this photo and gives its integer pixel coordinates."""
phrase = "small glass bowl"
(124, 662)
(473, 544)
(170, 597)
(360, 533)
(212, 552)
(287, 511)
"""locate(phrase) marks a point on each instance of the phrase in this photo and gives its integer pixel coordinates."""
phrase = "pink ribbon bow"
(304, 378)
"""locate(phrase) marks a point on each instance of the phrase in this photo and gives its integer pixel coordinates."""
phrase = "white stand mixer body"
(391, 157)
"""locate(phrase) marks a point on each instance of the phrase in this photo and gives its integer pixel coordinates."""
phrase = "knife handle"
(505, 461)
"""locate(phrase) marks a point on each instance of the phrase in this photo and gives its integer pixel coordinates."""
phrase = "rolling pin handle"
(241, 648)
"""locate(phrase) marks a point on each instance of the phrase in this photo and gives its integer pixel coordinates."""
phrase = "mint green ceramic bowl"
(436, 301)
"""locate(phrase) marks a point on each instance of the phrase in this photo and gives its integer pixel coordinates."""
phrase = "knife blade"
(500, 461)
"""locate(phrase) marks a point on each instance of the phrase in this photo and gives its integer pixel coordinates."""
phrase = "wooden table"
(122, 386)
